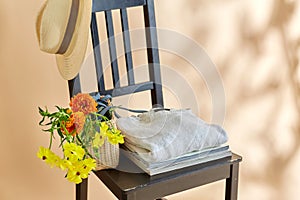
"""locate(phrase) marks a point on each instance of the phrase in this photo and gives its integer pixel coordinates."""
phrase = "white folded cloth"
(162, 135)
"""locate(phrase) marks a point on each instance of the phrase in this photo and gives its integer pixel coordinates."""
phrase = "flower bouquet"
(89, 140)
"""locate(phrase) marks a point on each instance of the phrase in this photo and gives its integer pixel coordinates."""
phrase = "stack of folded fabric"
(161, 141)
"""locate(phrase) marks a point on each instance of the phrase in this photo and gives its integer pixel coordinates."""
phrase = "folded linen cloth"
(162, 135)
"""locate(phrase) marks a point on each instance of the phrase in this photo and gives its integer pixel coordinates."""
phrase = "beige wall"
(255, 45)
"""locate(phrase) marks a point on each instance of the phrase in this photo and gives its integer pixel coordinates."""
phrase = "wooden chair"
(140, 186)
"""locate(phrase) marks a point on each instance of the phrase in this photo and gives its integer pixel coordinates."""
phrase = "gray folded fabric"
(162, 135)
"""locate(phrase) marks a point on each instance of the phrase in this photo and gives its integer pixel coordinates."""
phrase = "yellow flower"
(114, 136)
(56, 161)
(73, 152)
(88, 164)
(63, 164)
(103, 127)
(99, 139)
(48, 156)
(115, 139)
(80, 170)
(76, 176)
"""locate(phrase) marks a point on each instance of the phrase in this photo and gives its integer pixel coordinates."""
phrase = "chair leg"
(232, 183)
(81, 190)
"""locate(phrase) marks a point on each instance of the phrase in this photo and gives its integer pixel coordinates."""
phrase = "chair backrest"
(154, 82)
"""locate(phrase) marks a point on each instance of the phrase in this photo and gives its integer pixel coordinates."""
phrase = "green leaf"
(60, 133)
(41, 122)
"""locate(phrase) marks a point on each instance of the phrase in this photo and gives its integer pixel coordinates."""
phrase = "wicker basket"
(107, 156)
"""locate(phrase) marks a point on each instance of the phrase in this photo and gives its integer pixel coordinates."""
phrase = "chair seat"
(126, 185)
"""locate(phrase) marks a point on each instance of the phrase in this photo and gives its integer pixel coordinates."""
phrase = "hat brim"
(70, 62)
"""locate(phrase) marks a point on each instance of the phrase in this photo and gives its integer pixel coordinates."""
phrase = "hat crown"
(62, 29)
(52, 23)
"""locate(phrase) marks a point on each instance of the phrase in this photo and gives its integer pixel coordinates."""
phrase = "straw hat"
(62, 28)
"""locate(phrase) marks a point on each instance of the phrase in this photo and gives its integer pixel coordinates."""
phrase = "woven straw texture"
(109, 156)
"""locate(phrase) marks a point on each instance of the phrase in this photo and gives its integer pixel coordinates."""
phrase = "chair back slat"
(102, 5)
(97, 53)
(112, 48)
(127, 46)
(152, 53)
(74, 86)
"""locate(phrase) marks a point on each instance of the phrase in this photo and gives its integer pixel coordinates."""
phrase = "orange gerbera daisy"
(83, 103)
(74, 124)
(79, 120)
(69, 125)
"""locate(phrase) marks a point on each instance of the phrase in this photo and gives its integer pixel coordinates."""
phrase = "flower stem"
(83, 146)
(51, 136)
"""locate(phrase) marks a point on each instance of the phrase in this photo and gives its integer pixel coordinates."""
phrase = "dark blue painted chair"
(140, 186)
